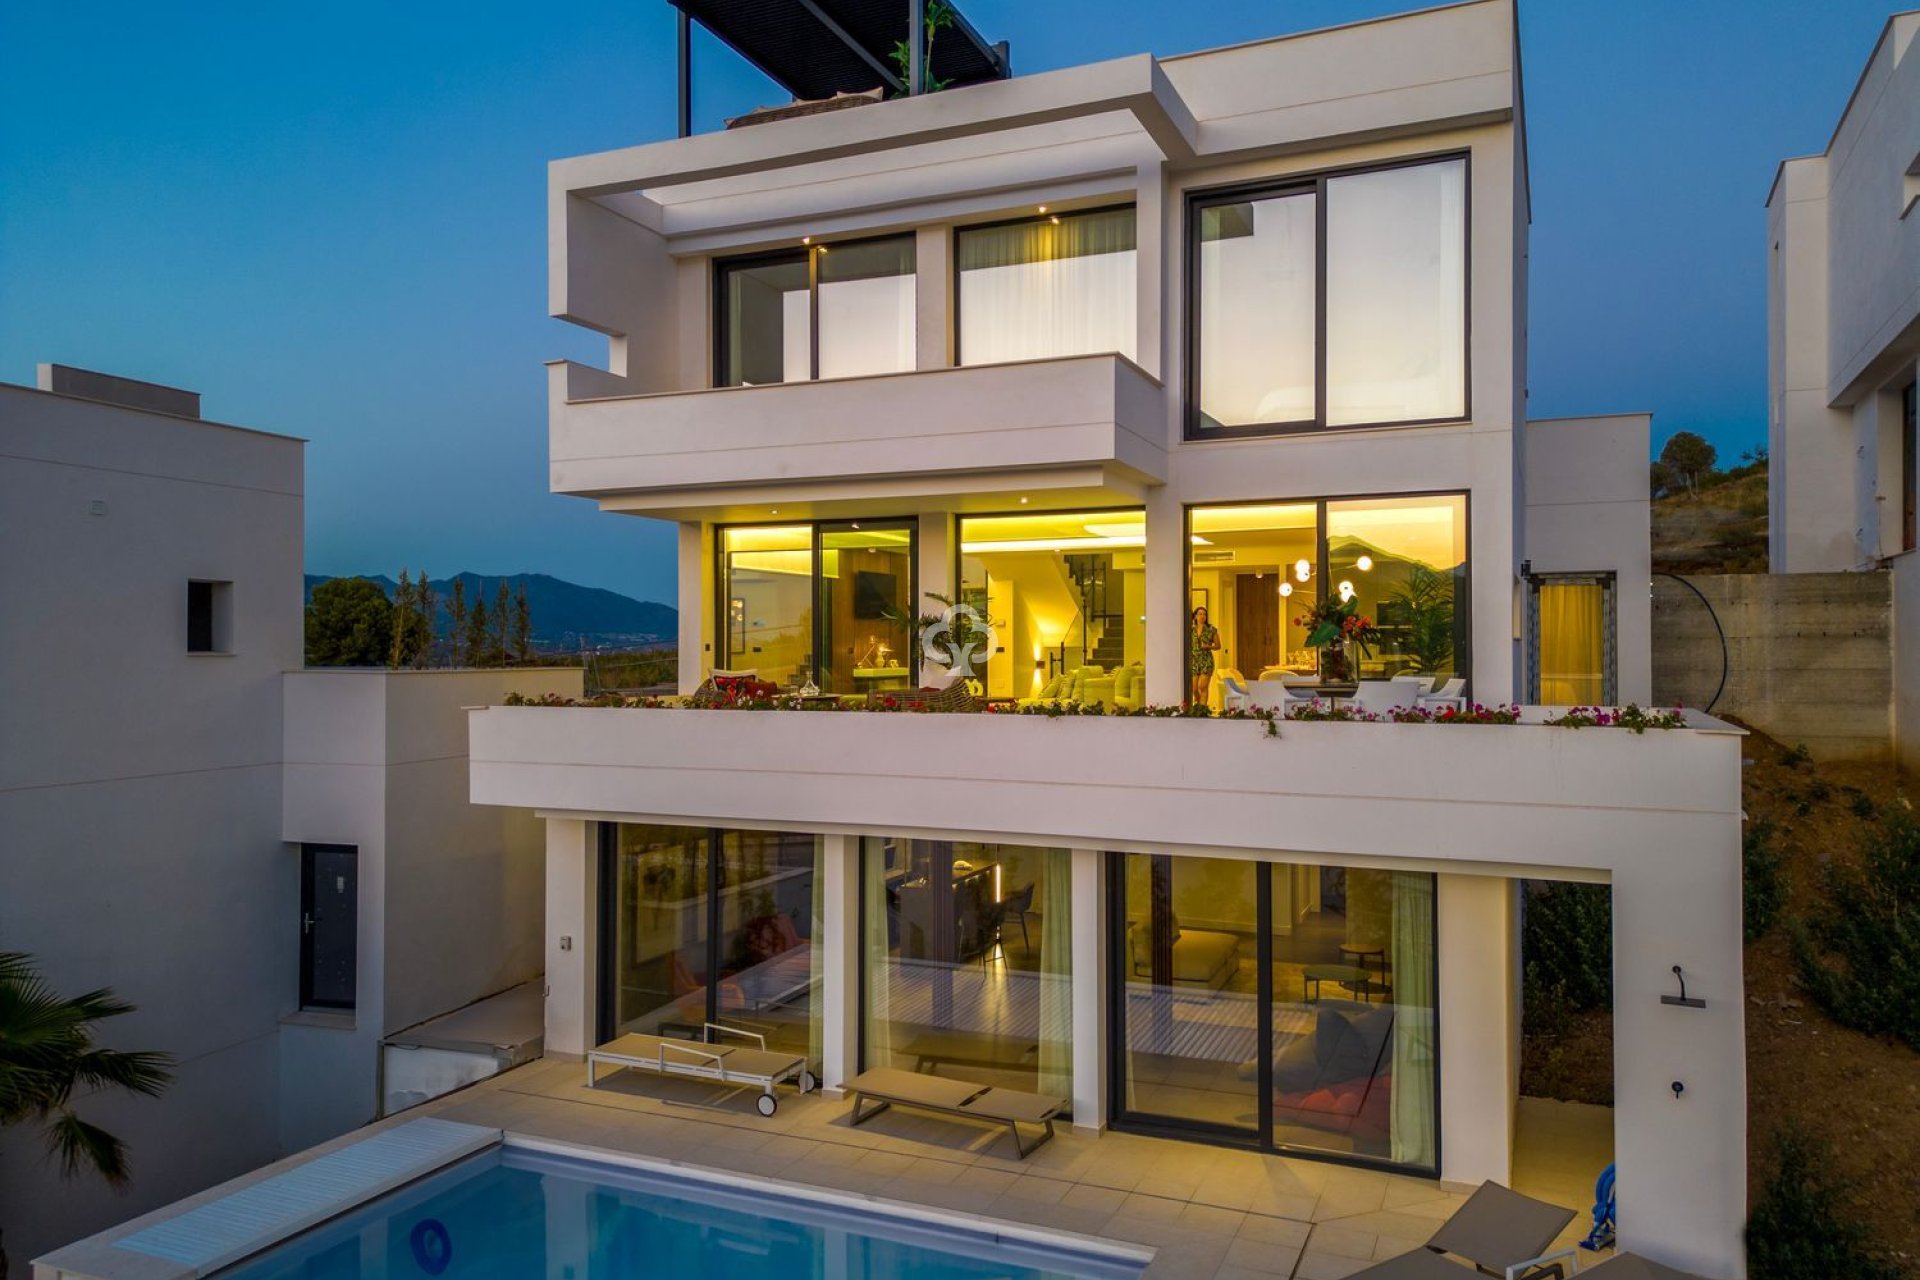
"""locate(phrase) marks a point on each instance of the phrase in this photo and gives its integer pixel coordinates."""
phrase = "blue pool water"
(508, 1214)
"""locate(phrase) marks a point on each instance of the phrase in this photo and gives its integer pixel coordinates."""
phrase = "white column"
(1682, 1160)
(933, 298)
(1479, 1031)
(840, 964)
(696, 653)
(572, 936)
(1150, 258)
(1166, 606)
(1089, 990)
(935, 564)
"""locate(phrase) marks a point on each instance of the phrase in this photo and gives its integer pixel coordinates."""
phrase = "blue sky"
(329, 219)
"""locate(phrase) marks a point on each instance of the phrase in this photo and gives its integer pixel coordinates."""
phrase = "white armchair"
(1449, 694)
(1275, 696)
(1233, 694)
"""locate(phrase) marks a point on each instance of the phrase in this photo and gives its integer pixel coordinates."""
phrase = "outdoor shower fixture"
(1682, 1000)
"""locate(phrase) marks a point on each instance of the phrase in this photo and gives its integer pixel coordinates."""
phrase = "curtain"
(1056, 974)
(1572, 666)
(1048, 288)
(816, 961)
(878, 959)
(1413, 1101)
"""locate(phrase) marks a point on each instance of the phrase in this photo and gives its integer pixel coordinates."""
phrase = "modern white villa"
(1843, 292)
(1087, 352)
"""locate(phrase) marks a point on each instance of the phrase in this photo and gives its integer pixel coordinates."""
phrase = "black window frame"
(1609, 583)
(1314, 183)
(816, 637)
(810, 254)
(307, 999)
(953, 258)
(1323, 557)
(1909, 469)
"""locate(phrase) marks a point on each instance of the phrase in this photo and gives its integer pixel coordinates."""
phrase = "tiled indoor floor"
(1231, 1215)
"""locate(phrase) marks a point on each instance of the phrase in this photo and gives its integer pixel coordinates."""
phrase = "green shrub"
(1796, 756)
(1763, 879)
(1567, 944)
(1860, 957)
(1860, 802)
(1799, 1229)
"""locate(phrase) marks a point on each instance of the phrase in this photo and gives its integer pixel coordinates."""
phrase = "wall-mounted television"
(873, 594)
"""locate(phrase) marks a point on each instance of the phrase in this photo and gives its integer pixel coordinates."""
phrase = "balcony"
(1092, 425)
(1574, 800)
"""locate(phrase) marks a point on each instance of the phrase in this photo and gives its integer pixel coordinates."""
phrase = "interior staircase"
(1103, 626)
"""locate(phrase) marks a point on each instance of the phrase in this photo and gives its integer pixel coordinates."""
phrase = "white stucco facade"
(640, 240)
(1843, 244)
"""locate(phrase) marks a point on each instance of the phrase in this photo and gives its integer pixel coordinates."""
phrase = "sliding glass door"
(699, 925)
(1286, 1006)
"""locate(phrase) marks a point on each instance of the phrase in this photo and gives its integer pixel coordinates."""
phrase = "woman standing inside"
(1203, 644)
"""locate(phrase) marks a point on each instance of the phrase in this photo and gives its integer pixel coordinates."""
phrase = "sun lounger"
(889, 1086)
(759, 1068)
(1500, 1232)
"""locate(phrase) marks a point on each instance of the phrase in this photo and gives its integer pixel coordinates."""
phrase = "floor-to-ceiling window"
(1570, 631)
(966, 964)
(1063, 590)
(702, 925)
(819, 311)
(829, 604)
(1260, 568)
(1335, 300)
(1289, 1005)
(1057, 284)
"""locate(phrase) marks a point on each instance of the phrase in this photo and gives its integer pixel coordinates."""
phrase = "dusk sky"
(330, 220)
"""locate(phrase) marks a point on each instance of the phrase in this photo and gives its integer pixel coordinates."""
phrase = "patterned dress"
(1205, 641)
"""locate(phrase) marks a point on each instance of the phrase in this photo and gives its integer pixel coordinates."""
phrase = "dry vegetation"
(1721, 529)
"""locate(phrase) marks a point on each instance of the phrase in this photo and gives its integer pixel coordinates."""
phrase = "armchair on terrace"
(1450, 693)
(1234, 695)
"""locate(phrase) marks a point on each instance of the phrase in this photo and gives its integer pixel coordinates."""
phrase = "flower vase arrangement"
(1332, 625)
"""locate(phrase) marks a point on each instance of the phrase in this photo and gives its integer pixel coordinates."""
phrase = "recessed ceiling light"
(1023, 502)
(1054, 219)
(806, 239)
(773, 511)
(1043, 208)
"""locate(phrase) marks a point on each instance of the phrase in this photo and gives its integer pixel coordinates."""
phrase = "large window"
(1259, 569)
(1065, 592)
(1056, 285)
(1330, 302)
(967, 969)
(1289, 1005)
(701, 925)
(858, 298)
(828, 604)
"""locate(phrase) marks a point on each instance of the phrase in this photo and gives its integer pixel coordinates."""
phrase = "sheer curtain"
(878, 960)
(1056, 976)
(1571, 634)
(1412, 1124)
(1050, 287)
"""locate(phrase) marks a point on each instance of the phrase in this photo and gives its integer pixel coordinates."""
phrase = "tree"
(1690, 457)
(478, 635)
(457, 624)
(502, 625)
(405, 623)
(1425, 600)
(349, 624)
(424, 598)
(47, 1052)
(522, 624)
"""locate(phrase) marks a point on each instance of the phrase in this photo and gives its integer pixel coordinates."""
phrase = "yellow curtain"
(1571, 644)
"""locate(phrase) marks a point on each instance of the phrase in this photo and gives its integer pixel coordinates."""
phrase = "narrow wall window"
(825, 311)
(1041, 288)
(329, 925)
(1909, 465)
(1570, 651)
(209, 617)
(1336, 300)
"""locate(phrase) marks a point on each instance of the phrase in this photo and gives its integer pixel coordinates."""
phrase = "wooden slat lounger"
(889, 1086)
(760, 1068)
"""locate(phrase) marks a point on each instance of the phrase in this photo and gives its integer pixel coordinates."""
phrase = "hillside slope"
(1721, 529)
(565, 615)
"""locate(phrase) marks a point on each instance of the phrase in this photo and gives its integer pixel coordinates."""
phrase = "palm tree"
(47, 1051)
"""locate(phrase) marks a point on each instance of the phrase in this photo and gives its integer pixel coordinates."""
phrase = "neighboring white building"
(1086, 350)
(159, 767)
(1843, 335)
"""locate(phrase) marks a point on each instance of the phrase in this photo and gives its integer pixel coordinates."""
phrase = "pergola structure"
(818, 48)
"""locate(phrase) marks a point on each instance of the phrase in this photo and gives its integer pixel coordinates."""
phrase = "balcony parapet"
(1100, 417)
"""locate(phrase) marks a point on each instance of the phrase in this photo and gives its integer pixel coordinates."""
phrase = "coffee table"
(1352, 977)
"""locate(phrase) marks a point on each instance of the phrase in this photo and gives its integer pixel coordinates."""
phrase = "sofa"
(1201, 957)
(1068, 686)
(1338, 1076)
(1124, 687)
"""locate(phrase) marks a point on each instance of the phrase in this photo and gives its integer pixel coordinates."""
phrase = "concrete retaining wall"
(1809, 656)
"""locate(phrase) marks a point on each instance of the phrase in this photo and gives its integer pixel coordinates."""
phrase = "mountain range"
(566, 616)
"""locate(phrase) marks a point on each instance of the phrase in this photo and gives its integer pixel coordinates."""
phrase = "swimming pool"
(514, 1212)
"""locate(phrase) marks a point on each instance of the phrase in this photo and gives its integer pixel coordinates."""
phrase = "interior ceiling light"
(1199, 541)
(1364, 564)
(806, 239)
(1023, 502)
(1302, 570)
(1043, 208)
(1054, 219)
(1346, 592)
(1286, 588)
